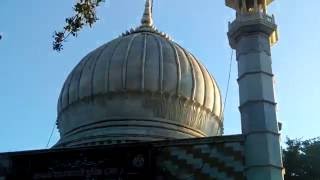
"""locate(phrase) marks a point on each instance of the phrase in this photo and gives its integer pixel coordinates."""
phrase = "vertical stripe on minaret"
(249, 34)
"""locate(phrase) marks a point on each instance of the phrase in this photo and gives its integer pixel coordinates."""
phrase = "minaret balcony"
(253, 22)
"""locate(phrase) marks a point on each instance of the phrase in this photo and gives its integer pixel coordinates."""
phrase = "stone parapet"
(249, 23)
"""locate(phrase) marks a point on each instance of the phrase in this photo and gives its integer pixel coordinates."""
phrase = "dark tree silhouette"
(301, 159)
(85, 15)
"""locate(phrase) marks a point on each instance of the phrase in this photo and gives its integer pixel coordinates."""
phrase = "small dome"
(139, 87)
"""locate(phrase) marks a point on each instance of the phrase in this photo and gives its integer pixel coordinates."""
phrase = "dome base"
(142, 119)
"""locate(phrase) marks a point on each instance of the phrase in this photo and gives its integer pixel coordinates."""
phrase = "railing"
(252, 16)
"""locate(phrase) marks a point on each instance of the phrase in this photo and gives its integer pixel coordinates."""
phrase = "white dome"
(141, 86)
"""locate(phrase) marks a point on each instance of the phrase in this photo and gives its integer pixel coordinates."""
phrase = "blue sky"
(31, 74)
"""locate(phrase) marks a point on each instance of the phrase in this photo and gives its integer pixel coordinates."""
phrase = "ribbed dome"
(140, 86)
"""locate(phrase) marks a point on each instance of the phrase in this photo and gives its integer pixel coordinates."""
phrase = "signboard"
(84, 163)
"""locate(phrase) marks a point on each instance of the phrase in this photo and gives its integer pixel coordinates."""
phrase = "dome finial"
(147, 15)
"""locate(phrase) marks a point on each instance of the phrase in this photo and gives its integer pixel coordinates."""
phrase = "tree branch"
(85, 15)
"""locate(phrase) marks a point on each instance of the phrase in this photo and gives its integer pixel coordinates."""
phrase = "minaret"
(252, 34)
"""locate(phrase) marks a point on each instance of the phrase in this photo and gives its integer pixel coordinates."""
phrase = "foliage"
(302, 159)
(85, 14)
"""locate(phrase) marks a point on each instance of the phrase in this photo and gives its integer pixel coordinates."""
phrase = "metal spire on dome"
(147, 15)
(147, 23)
